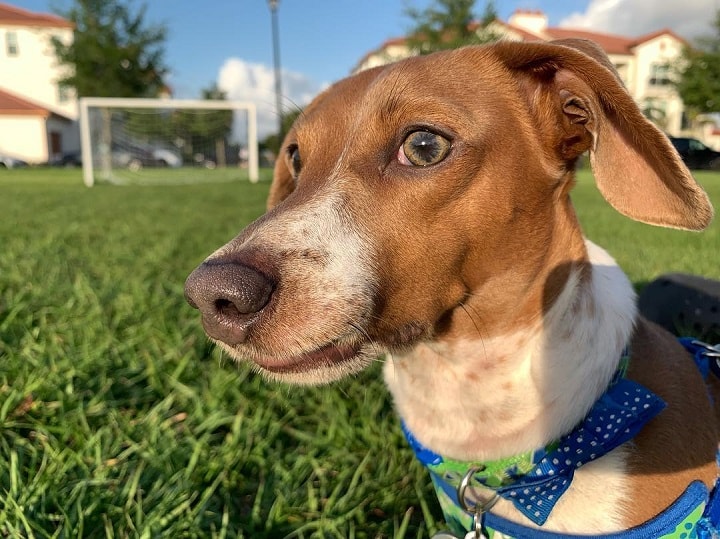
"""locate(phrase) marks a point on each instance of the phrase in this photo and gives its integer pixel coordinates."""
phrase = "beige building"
(38, 117)
(642, 62)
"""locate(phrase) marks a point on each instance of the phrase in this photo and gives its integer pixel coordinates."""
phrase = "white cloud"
(689, 18)
(246, 81)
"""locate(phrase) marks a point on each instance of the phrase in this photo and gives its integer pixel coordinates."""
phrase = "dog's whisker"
(467, 308)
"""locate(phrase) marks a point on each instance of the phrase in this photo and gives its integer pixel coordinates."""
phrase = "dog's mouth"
(329, 356)
(339, 357)
(349, 354)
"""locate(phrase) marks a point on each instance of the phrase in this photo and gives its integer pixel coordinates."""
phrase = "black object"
(695, 154)
(686, 305)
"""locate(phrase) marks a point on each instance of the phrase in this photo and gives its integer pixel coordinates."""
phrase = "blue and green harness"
(533, 482)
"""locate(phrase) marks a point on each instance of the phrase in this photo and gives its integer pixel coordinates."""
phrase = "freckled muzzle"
(230, 297)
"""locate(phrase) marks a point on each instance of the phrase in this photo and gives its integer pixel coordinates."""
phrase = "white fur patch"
(531, 387)
(325, 290)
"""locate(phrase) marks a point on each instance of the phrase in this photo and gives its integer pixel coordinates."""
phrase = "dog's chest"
(427, 389)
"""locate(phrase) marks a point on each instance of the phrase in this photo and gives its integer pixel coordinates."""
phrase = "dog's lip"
(328, 355)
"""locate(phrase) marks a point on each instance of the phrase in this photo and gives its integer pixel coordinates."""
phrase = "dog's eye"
(294, 160)
(423, 148)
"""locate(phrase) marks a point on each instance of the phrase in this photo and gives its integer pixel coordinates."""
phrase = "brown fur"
(679, 445)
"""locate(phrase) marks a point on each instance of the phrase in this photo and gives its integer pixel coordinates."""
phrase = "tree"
(448, 24)
(204, 125)
(112, 54)
(699, 77)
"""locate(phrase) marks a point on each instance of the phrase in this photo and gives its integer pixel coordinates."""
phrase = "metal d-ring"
(710, 351)
(480, 507)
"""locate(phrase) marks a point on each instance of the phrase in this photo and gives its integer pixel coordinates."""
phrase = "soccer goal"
(167, 141)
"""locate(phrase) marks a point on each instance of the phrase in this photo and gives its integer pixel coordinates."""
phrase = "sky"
(229, 42)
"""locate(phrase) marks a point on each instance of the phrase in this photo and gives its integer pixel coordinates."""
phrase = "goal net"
(167, 141)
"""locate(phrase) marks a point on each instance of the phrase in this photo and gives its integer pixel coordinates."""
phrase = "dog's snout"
(229, 295)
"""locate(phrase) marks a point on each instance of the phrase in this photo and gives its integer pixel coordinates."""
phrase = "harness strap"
(679, 521)
(706, 357)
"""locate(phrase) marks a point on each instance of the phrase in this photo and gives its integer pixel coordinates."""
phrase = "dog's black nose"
(229, 295)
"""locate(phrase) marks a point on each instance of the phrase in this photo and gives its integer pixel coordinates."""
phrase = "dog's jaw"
(313, 368)
(324, 365)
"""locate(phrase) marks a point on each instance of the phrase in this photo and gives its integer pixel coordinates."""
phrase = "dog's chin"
(323, 365)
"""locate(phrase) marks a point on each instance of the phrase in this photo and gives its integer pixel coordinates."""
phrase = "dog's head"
(417, 200)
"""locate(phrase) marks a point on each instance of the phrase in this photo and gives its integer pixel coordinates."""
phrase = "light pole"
(276, 60)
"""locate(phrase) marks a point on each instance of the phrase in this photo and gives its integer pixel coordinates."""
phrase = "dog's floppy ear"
(636, 167)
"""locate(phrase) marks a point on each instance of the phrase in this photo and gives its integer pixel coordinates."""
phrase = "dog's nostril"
(229, 295)
(230, 310)
(225, 307)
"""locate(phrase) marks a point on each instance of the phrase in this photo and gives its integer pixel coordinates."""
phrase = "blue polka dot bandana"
(616, 418)
(534, 484)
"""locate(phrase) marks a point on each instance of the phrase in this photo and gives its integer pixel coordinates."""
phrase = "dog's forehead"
(419, 86)
(339, 100)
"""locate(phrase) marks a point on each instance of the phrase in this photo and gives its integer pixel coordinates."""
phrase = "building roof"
(13, 105)
(524, 33)
(610, 43)
(663, 32)
(14, 16)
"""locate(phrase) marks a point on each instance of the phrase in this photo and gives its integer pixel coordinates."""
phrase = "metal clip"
(477, 509)
(710, 351)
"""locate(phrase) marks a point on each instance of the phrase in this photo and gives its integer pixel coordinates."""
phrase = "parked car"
(136, 157)
(7, 161)
(68, 159)
(695, 154)
(166, 157)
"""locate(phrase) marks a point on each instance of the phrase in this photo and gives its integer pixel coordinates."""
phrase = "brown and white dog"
(423, 209)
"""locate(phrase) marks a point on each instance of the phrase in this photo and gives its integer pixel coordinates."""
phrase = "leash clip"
(709, 350)
(478, 509)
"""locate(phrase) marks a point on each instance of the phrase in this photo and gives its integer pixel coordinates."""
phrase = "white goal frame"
(150, 103)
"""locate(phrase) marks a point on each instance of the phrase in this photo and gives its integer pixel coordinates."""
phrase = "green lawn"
(176, 176)
(119, 419)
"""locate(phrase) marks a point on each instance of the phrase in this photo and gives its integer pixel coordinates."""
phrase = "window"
(696, 145)
(55, 143)
(11, 44)
(685, 122)
(660, 75)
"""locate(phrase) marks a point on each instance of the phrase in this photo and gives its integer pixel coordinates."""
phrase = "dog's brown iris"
(424, 148)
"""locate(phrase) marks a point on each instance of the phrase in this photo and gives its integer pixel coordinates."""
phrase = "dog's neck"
(516, 392)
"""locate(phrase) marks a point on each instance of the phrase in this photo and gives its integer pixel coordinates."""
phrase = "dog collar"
(536, 480)
(695, 514)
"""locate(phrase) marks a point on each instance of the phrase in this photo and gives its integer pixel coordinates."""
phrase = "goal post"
(122, 138)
